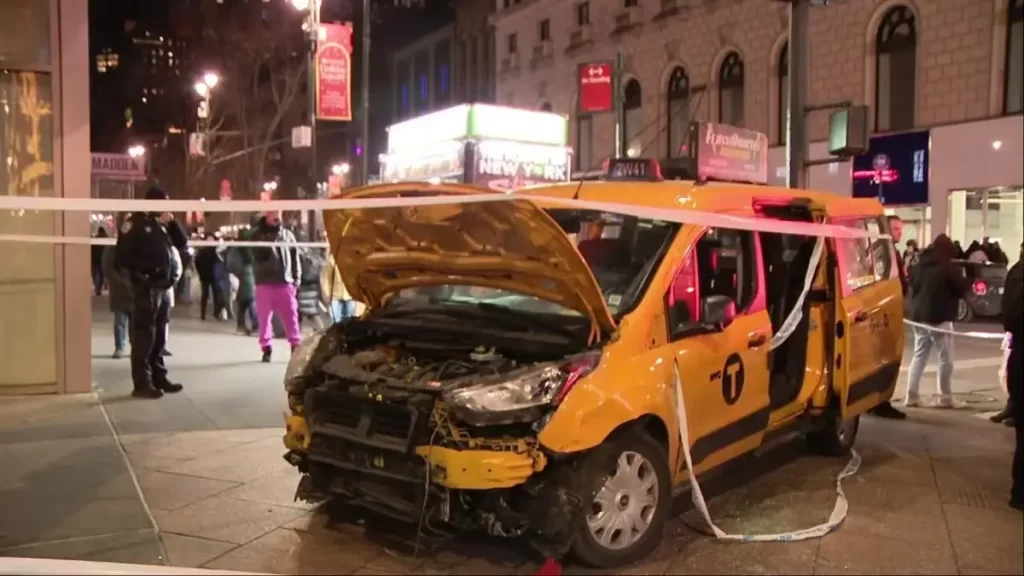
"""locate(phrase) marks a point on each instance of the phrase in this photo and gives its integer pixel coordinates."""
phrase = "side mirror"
(717, 310)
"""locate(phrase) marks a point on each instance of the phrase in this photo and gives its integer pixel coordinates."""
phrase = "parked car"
(987, 280)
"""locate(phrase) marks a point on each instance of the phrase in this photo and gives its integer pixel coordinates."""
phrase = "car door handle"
(860, 317)
(756, 340)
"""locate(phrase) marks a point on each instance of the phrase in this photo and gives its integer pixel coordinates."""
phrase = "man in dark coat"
(1013, 318)
(936, 286)
(121, 298)
(886, 409)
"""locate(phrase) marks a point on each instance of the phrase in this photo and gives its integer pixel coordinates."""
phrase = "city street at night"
(930, 497)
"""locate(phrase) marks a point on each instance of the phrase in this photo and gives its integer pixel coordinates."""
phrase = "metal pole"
(799, 86)
(364, 160)
(617, 98)
(314, 36)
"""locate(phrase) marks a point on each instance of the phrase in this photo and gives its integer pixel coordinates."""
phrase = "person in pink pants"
(277, 271)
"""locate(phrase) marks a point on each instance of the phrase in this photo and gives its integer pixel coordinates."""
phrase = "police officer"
(144, 252)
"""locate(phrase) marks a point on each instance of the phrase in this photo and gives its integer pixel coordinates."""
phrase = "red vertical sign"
(334, 72)
(596, 84)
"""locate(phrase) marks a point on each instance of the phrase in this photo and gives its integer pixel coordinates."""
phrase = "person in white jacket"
(176, 272)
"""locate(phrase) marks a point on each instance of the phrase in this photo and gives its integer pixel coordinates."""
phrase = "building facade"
(423, 76)
(952, 67)
(474, 51)
(45, 306)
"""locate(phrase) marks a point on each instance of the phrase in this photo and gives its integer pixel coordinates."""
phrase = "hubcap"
(624, 506)
(961, 310)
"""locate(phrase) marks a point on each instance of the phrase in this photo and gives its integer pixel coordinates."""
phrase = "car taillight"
(980, 288)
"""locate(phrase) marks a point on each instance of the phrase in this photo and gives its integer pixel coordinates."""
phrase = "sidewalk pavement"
(929, 498)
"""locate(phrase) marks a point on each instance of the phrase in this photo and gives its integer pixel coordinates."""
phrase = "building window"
(545, 30)
(442, 71)
(583, 14)
(1013, 102)
(783, 92)
(896, 68)
(513, 44)
(403, 72)
(584, 143)
(678, 111)
(632, 114)
(421, 69)
(730, 90)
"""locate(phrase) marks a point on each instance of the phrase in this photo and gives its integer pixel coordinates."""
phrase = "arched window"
(896, 71)
(545, 106)
(678, 110)
(632, 113)
(730, 90)
(783, 78)
(1013, 100)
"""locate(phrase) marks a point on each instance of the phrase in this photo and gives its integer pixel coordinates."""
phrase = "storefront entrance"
(995, 213)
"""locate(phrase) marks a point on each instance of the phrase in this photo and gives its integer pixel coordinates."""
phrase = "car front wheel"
(630, 492)
(836, 437)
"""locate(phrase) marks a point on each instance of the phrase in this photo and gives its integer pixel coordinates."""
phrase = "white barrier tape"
(54, 567)
(682, 216)
(797, 313)
(88, 241)
(839, 511)
(971, 334)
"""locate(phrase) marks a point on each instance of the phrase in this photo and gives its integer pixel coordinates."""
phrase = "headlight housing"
(519, 396)
(298, 364)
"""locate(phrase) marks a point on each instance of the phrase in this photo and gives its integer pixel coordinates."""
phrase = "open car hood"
(509, 245)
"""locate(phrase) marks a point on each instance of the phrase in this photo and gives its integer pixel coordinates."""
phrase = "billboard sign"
(894, 170)
(506, 166)
(596, 87)
(118, 166)
(729, 153)
(334, 72)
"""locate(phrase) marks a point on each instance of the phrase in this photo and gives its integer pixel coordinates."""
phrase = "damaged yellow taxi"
(515, 371)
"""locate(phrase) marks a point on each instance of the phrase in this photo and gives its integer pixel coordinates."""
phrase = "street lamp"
(270, 186)
(137, 151)
(312, 28)
(340, 169)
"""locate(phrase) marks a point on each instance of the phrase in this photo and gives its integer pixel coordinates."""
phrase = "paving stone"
(277, 489)
(242, 464)
(895, 511)
(189, 552)
(710, 556)
(134, 547)
(297, 552)
(850, 552)
(225, 519)
(165, 491)
(987, 540)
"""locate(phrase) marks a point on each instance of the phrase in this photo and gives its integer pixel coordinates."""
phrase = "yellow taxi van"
(515, 370)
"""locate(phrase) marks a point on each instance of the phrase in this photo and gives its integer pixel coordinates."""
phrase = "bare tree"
(259, 51)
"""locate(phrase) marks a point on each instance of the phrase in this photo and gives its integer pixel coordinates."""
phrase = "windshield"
(478, 295)
(621, 251)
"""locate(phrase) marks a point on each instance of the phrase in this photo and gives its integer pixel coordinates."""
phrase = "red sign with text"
(596, 87)
(334, 72)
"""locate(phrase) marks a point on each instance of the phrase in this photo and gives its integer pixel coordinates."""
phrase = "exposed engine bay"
(396, 424)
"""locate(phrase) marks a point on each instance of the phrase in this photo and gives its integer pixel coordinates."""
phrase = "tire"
(611, 466)
(836, 437)
(964, 312)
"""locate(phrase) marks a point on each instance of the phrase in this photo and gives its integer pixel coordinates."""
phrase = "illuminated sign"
(446, 159)
(894, 170)
(596, 87)
(635, 169)
(506, 166)
(479, 122)
(118, 166)
(731, 154)
(334, 72)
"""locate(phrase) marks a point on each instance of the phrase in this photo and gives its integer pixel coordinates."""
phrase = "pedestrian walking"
(211, 283)
(239, 263)
(886, 409)
(309, 294)
(936, 287)
(98, 279)
(1013, 319)
(145, 253)
(121, 301)
(336, 295)
(277, 272)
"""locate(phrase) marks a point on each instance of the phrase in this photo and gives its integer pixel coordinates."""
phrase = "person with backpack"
(277, 272)
(309, 287)
(239, 263)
